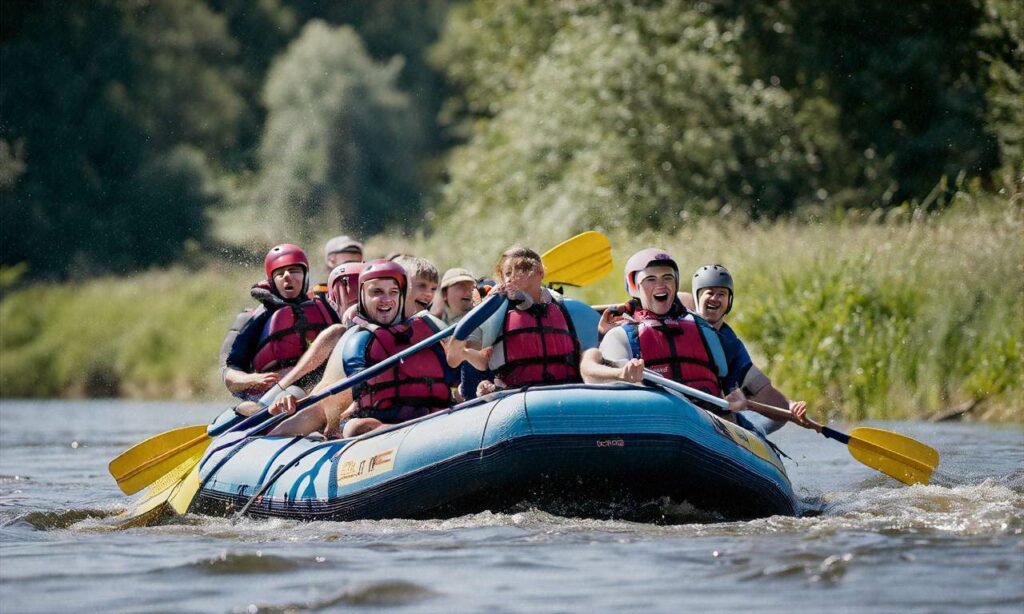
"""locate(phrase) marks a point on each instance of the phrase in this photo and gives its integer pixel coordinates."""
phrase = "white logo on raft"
(611, 443)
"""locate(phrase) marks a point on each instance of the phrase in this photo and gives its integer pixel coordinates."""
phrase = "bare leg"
(301, 424)
(247, 408)
(358, 426)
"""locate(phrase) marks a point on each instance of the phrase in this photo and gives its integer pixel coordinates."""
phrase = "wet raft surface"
(592, 451)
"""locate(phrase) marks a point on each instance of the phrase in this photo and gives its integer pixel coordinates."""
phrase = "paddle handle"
(654, 378)
(777, 413)
(467, 325)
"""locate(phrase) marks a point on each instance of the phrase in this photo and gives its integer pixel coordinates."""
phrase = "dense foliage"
(643, 113)
(340, 143)
(125, 126)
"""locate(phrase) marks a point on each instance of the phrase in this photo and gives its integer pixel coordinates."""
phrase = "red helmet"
(344, 282)
(284, 255)
(383, 269)
(643, 259)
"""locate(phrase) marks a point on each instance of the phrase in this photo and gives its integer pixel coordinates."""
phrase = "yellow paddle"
(578, 261)
(147, 461)
(895, 455)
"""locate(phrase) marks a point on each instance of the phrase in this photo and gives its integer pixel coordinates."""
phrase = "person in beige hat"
(337, 250)
(458, 295)
(340, 250)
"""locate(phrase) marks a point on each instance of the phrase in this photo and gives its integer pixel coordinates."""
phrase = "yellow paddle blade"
(578, 261)
(895, 455)
(158, 500)
(181, 499)
(156, 445)
(147, 461)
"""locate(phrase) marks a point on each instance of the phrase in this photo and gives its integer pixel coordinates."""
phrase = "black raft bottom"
(647, 478)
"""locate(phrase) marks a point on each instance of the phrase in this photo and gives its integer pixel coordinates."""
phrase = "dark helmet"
(712, 276)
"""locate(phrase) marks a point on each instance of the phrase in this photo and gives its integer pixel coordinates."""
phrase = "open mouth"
(661, 296)
(422, 304)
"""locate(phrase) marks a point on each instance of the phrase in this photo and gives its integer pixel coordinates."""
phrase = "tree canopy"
(127, 128)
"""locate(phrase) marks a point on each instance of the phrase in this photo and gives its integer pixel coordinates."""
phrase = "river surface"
(956, 545)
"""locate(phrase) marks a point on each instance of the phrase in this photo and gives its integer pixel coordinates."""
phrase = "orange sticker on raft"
(352, 471)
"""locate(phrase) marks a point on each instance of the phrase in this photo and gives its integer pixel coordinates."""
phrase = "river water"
(877, 546)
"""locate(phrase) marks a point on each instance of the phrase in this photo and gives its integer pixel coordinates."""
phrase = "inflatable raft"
(544, 447)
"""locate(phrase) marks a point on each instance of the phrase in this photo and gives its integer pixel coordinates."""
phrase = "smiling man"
(533, 340)
(417, 386)
(663, 336)
(712, 289)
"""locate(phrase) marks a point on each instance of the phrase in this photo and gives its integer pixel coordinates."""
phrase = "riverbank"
(898, 316)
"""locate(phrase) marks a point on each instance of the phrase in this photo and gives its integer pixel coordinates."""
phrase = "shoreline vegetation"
(899, 315)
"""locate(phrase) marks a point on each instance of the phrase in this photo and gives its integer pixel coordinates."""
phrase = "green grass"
(892, 317)
(153, 335)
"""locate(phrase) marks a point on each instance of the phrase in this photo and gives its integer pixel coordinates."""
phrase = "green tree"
(639, 117)
(400, 28)
(340, 142)
(113, 110)
(1004, 33)
(909, 79)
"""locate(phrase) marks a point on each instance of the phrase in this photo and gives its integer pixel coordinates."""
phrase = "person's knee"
(358, 426)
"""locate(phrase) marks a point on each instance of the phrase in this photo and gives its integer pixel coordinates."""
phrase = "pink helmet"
(383, 269)
(344, 282)
(643, 259)
(284, 255)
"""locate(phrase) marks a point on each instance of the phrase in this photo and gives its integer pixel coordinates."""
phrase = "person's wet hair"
(523, 259)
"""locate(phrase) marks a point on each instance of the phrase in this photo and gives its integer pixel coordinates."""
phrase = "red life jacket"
(675, 348)
(418, 381)
(541, 346)
(288, 333)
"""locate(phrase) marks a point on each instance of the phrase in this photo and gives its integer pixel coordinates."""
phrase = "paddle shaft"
(654, 378)
(777, 413)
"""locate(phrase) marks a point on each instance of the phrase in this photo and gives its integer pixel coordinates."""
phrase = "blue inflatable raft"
(577, 450)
